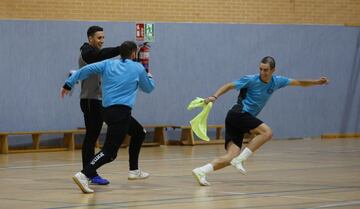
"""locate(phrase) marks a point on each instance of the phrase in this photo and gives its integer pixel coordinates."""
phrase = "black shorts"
(237, 124)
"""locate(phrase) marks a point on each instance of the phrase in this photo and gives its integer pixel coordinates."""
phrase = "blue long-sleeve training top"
(91, 87)
(120, 80)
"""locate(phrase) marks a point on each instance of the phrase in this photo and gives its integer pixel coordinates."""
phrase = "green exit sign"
(145, 32)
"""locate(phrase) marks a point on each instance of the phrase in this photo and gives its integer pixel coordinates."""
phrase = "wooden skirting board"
(341, 136)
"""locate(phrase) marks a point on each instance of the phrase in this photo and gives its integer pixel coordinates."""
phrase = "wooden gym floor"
(309, 173)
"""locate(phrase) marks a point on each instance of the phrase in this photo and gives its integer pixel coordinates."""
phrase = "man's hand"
(323, 80)
(63, 92)
(210, 99)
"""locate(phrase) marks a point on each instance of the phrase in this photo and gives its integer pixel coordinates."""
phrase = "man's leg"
(223, 161)
(92, 110)
(233, 142)
(118, 120)
(263, 134)
(137, 133)
(218, 163)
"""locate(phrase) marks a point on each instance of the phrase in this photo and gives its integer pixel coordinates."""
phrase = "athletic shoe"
(238, 164)
(137, 174)
(82, 181)
(200, 177)
(98, 180)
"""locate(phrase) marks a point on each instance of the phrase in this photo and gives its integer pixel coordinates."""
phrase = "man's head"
(96, 36)
(128, 50)
(267, 68)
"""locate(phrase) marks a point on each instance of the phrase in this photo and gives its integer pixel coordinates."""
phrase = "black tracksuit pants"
(119, 119)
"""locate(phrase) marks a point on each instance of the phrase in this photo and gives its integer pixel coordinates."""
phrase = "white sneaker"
(137, 174)
(82, 181)
(200, 177)
(238, 164)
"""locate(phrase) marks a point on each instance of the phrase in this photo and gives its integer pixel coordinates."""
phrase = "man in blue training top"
(120, 81)
(255, 90)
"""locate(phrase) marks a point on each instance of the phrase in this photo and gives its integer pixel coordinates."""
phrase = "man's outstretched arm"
(220, 91)
(307, 83)
(81, 74)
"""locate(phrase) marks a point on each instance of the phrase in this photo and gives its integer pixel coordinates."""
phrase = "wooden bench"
(68, 137)
(159, 136)
(187, 136)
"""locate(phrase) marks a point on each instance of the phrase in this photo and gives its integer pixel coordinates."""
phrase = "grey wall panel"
(187, 60)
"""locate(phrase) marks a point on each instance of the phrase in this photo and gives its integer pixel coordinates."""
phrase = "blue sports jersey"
(256, 92)
(120, 80)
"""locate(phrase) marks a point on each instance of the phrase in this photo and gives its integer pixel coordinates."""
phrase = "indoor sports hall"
(291, 66)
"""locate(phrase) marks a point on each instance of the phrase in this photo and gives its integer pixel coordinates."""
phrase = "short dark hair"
(127, 48)
(93, 29)
(269, 60)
